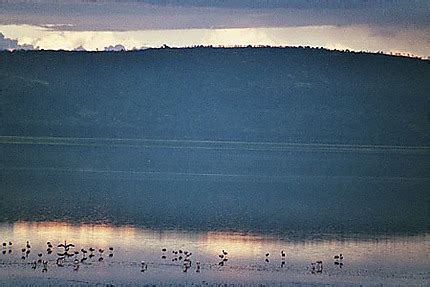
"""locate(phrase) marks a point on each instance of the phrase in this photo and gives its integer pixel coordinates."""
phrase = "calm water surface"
(312, 201)
(399, 260)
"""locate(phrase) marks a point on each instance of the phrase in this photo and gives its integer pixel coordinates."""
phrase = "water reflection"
(379, 258)
(209, 244)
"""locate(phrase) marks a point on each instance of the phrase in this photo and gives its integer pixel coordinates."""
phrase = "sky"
(396, 26)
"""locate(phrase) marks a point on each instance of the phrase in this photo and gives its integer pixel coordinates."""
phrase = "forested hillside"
(289, 95)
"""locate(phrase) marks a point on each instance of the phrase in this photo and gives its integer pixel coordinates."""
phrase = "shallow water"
(391, 260)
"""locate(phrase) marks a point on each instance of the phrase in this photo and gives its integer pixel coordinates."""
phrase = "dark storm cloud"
(185, 14)
(12, 44)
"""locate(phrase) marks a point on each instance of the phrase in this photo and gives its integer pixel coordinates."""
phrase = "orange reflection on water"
(238, 245)
(132, 240)
(85, 234)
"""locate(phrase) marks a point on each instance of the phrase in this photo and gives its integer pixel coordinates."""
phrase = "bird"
(45, 266)
(66, 245)
(110, 249)
(267, 254)
(60, 261)
(49, 244)
(224, 252)
(338, 257)
(282, 253)
(62, 254)
(28, 245)
(319, 266)
(143, 266)
(101, 251)
(10, 243)
(164, 249)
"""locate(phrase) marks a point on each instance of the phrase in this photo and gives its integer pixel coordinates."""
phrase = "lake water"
(369, 203)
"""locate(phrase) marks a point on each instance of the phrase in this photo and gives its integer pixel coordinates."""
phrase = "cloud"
(11, 44)
(355, 38)
(116, 48)
(79, 49)
(111, 15)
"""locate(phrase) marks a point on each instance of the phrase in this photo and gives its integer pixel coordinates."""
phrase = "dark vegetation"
(245, 94)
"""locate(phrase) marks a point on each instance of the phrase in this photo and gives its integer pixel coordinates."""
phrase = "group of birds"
(180, 255)
(67, 250)
(7, 247)
(223, 257)
(338, 260)
(317, 267)
(267, 258)
(64, 251)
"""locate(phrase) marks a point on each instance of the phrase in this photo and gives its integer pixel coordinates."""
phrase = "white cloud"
(358, 38)
(12, 44)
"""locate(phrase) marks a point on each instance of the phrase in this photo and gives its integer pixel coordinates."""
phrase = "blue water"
(293, 190)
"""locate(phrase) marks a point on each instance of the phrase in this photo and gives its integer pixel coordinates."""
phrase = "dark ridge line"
(237, 47)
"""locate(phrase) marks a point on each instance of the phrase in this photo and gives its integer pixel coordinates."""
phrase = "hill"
(287, 95)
